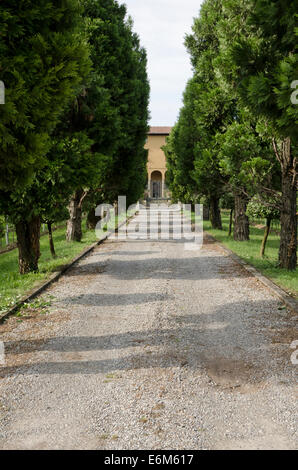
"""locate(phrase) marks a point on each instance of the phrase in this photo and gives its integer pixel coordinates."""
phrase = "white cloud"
(162, 26)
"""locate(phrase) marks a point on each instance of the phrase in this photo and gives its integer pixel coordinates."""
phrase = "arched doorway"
(156, 185)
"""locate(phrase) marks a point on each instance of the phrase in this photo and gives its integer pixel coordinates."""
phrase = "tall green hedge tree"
(180, 150)
(207, 110)
(259, 49)
(241, 148)
(112, 111)
(43, 56)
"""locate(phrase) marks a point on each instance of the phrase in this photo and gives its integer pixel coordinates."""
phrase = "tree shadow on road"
(203, 267)
(212, 342)
(106, 300)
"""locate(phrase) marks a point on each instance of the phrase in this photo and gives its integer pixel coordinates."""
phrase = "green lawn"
(13, 285)
(250, 252)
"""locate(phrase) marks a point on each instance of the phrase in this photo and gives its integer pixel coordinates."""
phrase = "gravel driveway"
(149, 346)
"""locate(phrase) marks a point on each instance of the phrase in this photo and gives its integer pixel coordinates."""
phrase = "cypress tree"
(259, 50)
(43, 56)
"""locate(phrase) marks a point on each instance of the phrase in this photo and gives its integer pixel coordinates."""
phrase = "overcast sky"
(162, 25)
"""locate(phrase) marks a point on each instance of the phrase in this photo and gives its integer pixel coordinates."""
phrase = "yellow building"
(156, 165)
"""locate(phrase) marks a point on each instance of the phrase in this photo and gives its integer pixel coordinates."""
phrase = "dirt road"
(149, 346)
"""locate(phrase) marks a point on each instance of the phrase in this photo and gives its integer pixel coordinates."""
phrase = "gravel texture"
(149, 346)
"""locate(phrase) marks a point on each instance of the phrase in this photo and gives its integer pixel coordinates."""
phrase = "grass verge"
(13, 286)
(249, 251)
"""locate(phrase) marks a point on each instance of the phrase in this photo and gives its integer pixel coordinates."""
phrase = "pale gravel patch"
(155, 348)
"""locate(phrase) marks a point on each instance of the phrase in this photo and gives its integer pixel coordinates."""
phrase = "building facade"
(156, 166)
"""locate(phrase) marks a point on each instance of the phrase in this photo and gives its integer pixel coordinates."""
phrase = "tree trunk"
(206, 212)
(6, 235)
(288, 221)
(92, 220)
(266, 234)
(215, 216)
(52, 247)
(28, 234)
(74, 224)
(231, 222)
(288, 217)
(241, 225)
